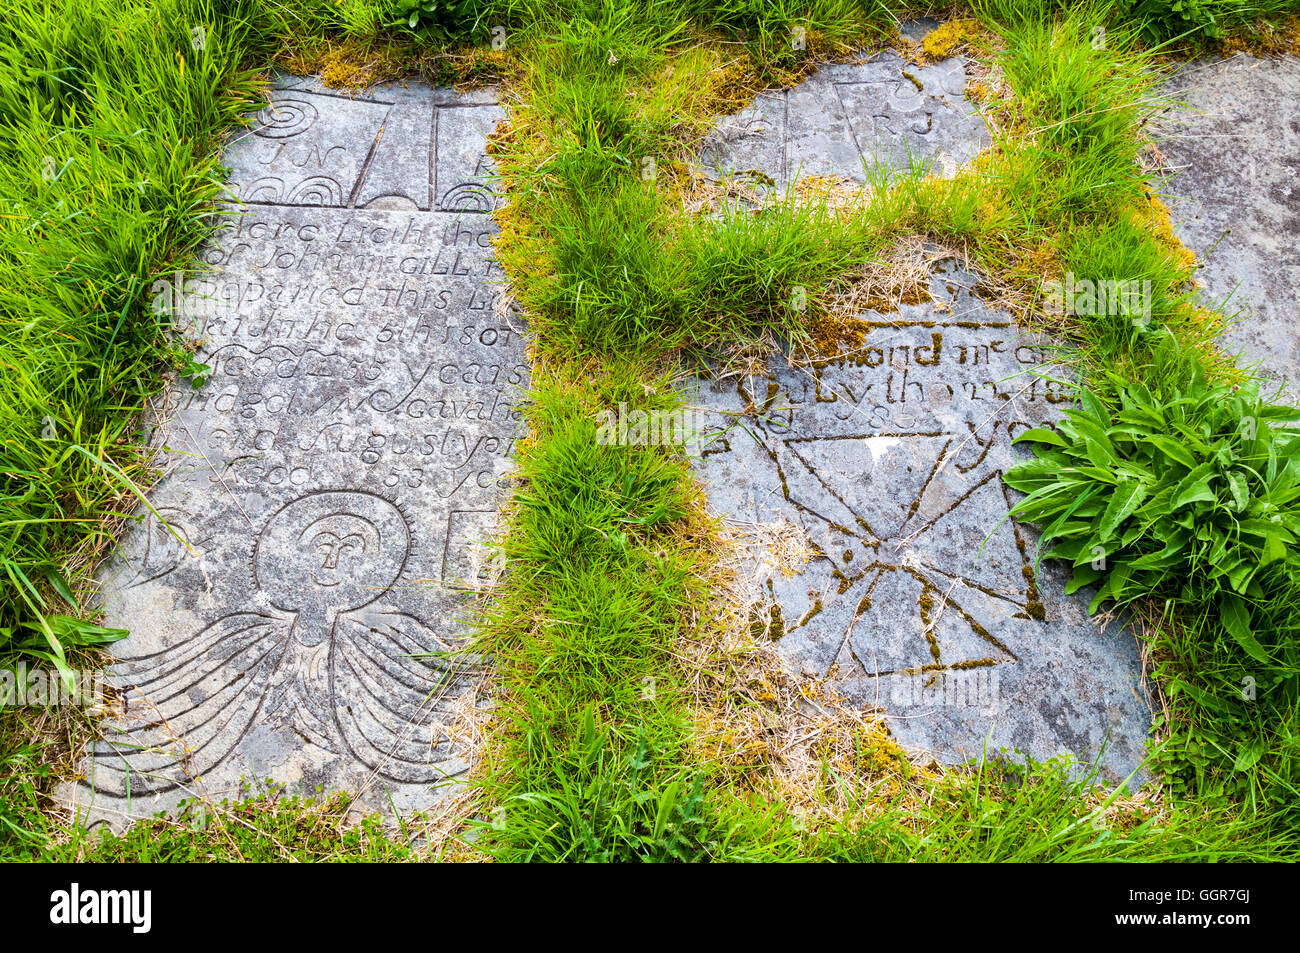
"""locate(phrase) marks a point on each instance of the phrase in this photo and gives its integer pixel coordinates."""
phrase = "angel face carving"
(331, 551)
(329, 665)
(339, 552)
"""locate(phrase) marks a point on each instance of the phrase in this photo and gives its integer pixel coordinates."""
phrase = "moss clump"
(832, 334)
(949, 39)
(1153, 215)
(766, 624)
(350, 63)
(978, 91)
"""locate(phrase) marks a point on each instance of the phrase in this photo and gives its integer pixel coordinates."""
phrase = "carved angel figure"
(320, 657)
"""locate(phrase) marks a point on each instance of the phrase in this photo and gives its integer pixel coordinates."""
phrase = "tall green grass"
(108, 171)
(589, 768)
(1200, 20)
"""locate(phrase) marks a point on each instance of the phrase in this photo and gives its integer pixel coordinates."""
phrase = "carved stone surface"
(921, 594)
(329, 484)
(846, 118)
(1234, 148)
(398, 147)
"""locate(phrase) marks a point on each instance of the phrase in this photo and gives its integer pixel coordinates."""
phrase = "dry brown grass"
(767, 730)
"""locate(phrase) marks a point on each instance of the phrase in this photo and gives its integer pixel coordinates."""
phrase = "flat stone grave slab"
(295, 590)
(883, 463)
(846, 119)
(1233, 148)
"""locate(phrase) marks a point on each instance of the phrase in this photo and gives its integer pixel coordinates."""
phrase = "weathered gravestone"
(329, 484)
(1234, 150)
(884, 462)
(847, 119)
(921, 594)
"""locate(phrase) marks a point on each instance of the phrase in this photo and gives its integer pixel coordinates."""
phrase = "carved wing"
(188, 705)
(393, 699)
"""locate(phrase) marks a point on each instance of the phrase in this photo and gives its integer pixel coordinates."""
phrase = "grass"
(1039, 814)
(95, 207)
(591, 720)
(605, 745)
(269, 828)
(1202, 20)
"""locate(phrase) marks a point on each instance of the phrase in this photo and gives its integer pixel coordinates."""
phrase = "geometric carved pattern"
(883, 463)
